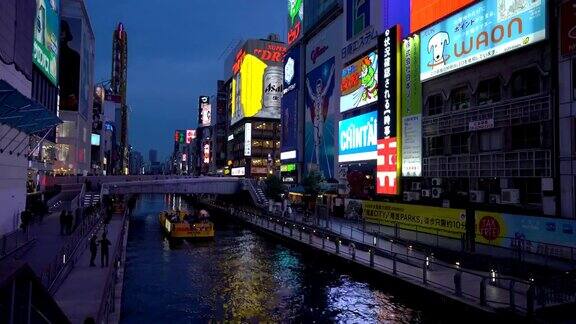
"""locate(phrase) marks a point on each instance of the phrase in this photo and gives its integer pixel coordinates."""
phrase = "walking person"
(63, 222)
(93, 250)
(104, 244)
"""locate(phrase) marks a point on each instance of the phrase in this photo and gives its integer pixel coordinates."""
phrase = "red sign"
(427, 12)
(386, 170)
(294, 32)
(265, 51)
(190, 135)
(568, 28)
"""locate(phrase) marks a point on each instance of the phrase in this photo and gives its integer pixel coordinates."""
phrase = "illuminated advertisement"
(295, 20)
(248, 139)
(238, 172)
(47, 38)
(367, 19)
(358, 138)
(205, 109)
(322, 99)
(568, 27)
(359, 83)
(411, 108)
(315, 10)
(180, 136)
(190, 135)
(206, 153)
(447, 222)
(95, 139)
(482, 31)
(542, 235)
(257, 81)
(388, 162)
(427, 12)
(290, 104)
(184, 157)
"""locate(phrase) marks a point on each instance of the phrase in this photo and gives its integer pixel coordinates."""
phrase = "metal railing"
(107, 302)
(14, 241)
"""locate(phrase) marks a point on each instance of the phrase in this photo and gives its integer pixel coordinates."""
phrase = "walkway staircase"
(256, 193)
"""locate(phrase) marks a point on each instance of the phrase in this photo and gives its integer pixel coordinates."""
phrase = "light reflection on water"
(241, 275)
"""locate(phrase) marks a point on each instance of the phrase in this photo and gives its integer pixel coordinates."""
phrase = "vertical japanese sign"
(248, 139)
(388, 163)
(295, 20)
(411, 108)
(289, 110)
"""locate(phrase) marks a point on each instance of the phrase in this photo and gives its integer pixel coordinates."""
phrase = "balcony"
(518, 164)
(504, 114)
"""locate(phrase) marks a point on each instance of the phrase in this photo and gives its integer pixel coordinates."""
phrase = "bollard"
(458, 283)
(483, 292)
(424, 274)
(371, 252)
(512, 295)
(394, 263)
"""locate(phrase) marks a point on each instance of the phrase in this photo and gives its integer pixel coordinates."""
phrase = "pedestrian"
(63, 222)
(93, 250)
(104, 244)
(69, 223)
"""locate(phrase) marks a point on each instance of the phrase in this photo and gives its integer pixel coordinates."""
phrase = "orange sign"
(427, 12)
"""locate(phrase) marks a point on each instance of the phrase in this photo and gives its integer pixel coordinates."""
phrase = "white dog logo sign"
(436, 46)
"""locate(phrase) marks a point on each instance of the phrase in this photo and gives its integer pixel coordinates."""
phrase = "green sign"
(288, 167)
(47, 38)
(411, 85)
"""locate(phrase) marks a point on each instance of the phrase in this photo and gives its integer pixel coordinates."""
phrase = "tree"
(274, 187)
(311, 184)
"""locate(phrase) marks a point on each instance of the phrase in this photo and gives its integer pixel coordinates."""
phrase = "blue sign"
(289, 111)
(358, 138)
(480, 32)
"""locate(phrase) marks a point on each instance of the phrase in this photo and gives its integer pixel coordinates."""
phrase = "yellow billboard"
(433, 220)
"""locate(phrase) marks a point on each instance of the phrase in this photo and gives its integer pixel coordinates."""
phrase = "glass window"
(489, 91)
(491, 141)
(66, 129)
(459, 143)
(63, 152)
(435, 103)
(525, 82)
(435, 145)
(526, 136)
(460, 99)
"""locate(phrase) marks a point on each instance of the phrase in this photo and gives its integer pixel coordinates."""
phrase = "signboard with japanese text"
(411, 108)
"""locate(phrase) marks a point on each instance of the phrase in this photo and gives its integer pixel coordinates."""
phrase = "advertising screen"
(238, 172)
(482, 31)
(358, 138)
(95, 139)
(47, 38)
(411, 108)
(71, 58)
(206, 153)
(427, 12)
(248, 139)
(190, 135)
(568, 27)
(359, 83)
(257, 81)
(295, 20)
(180, 136)
(290, 102)
(389, 154)
(205, 111)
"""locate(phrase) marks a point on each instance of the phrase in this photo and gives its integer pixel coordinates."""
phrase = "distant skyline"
(176, 52)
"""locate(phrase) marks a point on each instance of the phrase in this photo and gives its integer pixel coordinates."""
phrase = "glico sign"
(295, 20)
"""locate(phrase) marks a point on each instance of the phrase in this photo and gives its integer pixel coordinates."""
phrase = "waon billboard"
(389, 122)
(427, 12)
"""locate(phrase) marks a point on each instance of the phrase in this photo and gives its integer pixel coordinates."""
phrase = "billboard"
(322, 99)
(248, 139)
(568, 27)
(359, 83)
(427, 219)
(367, 19)
(190, 135)
(315, 10)
(180, 136)
(205, 111)
(71, 58)
(411, 108)
(427, 12)
(289, 111)
(47, 38)
(238, 172)
(389, 148)
(95, 139)
(482, 31)
(257, 80)
(542, 235)
(295, 20)
(358, 138)
(206, 153)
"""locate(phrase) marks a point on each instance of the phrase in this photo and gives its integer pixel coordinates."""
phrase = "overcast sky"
(176, 52)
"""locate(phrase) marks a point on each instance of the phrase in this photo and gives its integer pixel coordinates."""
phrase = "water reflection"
(240, 275)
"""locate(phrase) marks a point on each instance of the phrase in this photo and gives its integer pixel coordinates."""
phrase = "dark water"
(244, 276)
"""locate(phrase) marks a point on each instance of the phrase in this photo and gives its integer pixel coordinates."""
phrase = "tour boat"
(181, 224)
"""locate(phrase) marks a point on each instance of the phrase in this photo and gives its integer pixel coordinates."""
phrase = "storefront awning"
(22, 113)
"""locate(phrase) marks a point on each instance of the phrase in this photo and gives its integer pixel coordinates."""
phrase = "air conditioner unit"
(504, 183)
(427, 193)
(436, 192)
(436, 182)
(494, 199)
(416, 186)
(477, 196)
(415, 195)
(510, 196)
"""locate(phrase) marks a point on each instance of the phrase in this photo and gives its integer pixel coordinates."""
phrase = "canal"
(243, 275)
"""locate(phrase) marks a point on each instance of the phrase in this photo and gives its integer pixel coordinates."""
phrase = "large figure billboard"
(359, 83)
(71, 58)
(482, 31)
(322, 99)
(290, 105)
(47, 38)
(257, 80)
